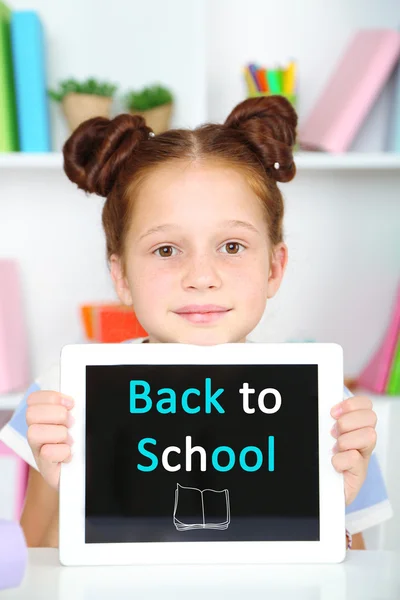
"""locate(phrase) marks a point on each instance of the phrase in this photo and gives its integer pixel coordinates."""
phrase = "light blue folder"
(27, 43)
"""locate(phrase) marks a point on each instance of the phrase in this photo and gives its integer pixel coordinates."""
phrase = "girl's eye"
(232, 247)
(165, 251)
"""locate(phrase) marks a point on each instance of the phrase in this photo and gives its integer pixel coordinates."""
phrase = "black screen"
(268, 492)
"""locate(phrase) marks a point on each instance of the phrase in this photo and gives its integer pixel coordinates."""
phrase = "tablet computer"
(201, 454)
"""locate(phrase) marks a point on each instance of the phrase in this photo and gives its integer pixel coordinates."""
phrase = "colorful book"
(374, 376)
(28, 53)
(393, 386)
(351, 91)
(8, 115)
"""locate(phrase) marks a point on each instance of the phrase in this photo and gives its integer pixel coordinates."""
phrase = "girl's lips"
(204, 317)
(202, 308)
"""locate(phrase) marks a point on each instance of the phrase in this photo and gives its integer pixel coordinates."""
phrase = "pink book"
(14, 367)
(375, 375)
(362, 71)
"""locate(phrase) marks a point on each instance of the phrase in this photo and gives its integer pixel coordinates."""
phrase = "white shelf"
(25, 160)
(304, 160)
(347, 160)
(10, 401)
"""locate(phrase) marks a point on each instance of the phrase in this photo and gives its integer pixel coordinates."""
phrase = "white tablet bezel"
(72, 547)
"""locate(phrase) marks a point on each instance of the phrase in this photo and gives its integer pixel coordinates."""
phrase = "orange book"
(110, 323)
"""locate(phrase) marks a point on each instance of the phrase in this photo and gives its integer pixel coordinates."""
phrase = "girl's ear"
(120, 281)
(277, 268)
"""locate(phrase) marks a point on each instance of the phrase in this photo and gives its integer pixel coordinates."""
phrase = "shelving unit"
(357, 189)
(304, 161)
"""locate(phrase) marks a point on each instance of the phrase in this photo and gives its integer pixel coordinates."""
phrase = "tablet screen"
(201, 453)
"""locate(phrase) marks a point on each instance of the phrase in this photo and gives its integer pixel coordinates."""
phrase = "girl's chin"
(198, 338)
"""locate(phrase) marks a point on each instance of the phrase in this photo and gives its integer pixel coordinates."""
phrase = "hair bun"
(269, 123)
(97, 150)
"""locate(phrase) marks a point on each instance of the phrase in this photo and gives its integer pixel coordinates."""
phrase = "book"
(393, 386)
(14, 362)
(363, 69)
(27, 42)
(110, 323)
(374, 376)
(8, 114)
(201, 509)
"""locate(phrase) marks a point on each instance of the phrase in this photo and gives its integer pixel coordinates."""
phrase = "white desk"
(364, 575)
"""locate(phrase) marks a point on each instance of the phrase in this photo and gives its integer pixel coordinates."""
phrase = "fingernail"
(334, 431)
(335, 449)
(67, 402)
(70, 420)
(337, 410)
(70, 439)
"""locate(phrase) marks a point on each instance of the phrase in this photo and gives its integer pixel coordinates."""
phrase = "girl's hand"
(355, 435)
(48, 420)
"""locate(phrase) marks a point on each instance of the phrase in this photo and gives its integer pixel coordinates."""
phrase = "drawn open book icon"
(201, 509)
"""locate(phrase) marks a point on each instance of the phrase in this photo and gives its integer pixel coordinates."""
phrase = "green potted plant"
(83, 100)
(154, 103)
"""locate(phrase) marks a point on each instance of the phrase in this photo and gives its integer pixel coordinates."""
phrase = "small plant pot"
(80, 107)
(159, 118)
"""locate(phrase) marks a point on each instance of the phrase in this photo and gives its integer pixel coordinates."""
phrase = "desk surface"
(364, 575)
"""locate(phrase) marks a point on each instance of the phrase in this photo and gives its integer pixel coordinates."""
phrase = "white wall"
(267, 32)
(344, 256)
(129, 43)
(49, 226)
(341, 228)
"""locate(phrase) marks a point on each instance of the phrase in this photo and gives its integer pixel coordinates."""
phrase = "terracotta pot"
(80, 107)
(158, 118)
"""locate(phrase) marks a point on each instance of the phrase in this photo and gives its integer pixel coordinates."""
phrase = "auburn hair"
(113, 157)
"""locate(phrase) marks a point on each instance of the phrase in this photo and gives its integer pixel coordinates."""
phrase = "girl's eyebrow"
(243, 224)
(229, 223)
(158, 228)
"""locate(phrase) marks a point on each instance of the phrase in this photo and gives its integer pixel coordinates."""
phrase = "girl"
(193, 225)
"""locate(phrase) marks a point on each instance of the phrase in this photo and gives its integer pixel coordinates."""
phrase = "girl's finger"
(350, 405)
(55, 453)
(351, 460)
(47, 414)
(46, 434)
(361, 440)
(44, 397)
(354, 420)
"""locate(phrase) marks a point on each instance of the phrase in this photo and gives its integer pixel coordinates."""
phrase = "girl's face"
(197, 257)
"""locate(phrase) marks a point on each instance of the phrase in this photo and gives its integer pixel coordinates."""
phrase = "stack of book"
(24, 107)
(382, 373)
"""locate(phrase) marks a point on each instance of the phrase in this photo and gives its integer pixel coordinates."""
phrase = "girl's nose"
(201, 273)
